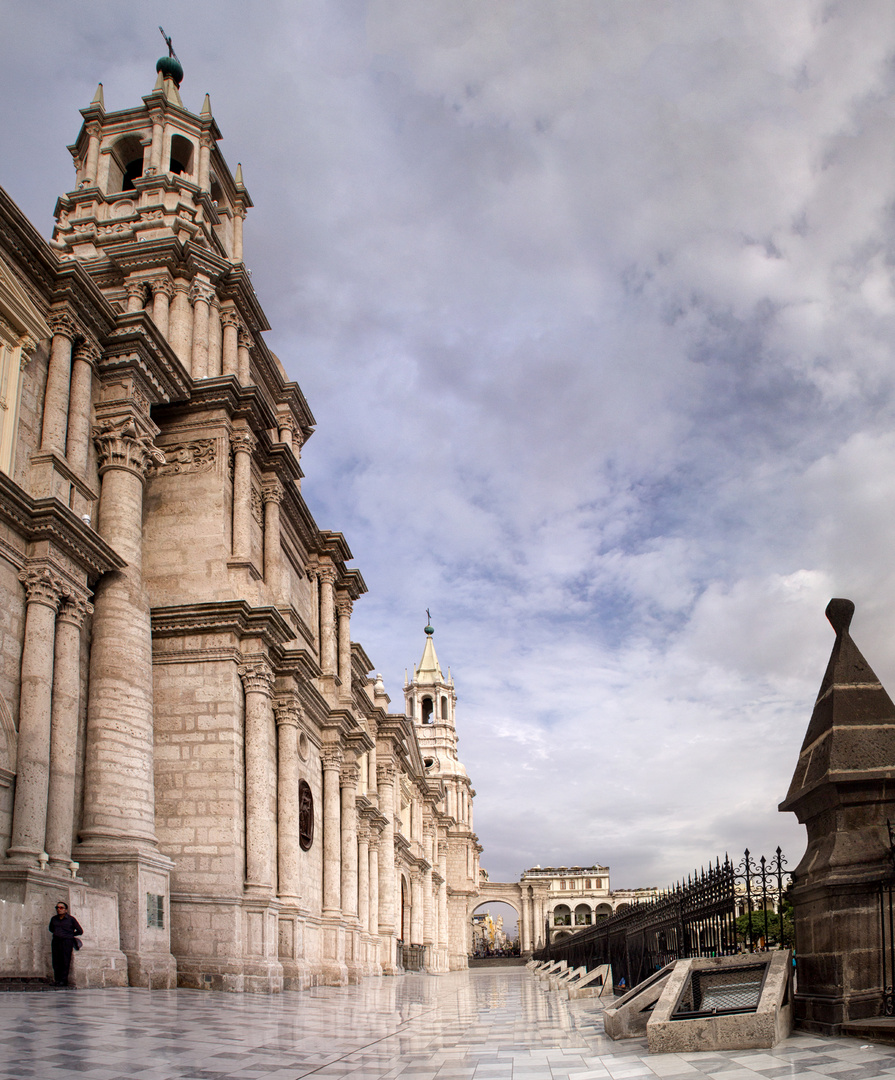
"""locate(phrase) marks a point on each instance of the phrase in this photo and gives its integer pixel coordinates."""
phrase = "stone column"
(343, 607)
(136, 294)
(242, 444)
(77, 444)
(257, 680)
(55, 418)
(272, 494)
(238, 218)
(348, 778)
(155, 152)
(442, 895)
(181, 322)
(205, 144)
(332, 858)
(162, 292)
(287, 714)
(327, 578)
(94, 131)
(285, 427)
(363, 876)
(244, 361)
(119, 791)
(416, 908)
(43, 589)
(230, 329)
(200, 294)
(64, 736)
(373, 919)
(385, 777)
(214, 337)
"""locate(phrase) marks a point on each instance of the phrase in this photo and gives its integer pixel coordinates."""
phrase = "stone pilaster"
(343, 608)
(155, 150)
(64, 737)
(287, 712)
(272, 494)
(94, 132)
(77, 446)
(201, 293)
(385, 779)
(242, 443)
(230, 331)
(44, 589)
(55, 417)
(326, 576)
(348, 779)
(214, 337)
(162, 294)
(257, 679)
(332, 833)
(244, 359)
(205, 144)
(238, 218)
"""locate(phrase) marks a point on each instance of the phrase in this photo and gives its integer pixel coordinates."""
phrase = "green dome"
(430, 630)
(171, 68)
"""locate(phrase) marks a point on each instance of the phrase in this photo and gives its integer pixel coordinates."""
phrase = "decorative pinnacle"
(840, 613)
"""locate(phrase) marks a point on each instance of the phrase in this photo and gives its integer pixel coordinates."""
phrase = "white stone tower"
(431, 703)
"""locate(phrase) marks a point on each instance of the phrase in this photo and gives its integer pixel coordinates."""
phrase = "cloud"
(594, 307)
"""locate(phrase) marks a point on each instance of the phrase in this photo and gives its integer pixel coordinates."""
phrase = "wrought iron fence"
(693, 918)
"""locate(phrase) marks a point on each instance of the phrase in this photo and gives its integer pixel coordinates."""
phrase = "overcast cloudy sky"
(593, 302)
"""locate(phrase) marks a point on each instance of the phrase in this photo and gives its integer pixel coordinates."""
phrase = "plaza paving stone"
(477, 1025)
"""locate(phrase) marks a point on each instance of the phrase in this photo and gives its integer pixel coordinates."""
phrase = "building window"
(444, 708)
(181, 156)
(562, 916)
(155, 911)
(427, 710)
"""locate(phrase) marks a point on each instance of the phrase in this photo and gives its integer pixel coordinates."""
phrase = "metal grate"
(721, 992)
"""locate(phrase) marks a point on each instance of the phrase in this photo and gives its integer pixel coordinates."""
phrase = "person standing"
(65, 929)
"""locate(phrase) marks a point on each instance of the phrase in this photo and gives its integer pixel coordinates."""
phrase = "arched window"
(410, 709)
(582, 915)
(444, 708)
(427, 710)
(125, 164)
(181, 155)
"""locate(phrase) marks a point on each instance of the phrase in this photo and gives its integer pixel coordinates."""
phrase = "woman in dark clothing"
(64, 928)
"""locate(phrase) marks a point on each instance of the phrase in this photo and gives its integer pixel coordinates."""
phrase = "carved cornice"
(137, 344)
(230, 616)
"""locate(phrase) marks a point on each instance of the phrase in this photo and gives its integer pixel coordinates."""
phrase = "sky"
(593, 304)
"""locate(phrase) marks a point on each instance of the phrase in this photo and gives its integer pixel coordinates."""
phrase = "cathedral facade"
(193, 752)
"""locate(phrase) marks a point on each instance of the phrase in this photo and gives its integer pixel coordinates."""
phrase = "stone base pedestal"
(839, 955)
(136, 877)
(27, 903)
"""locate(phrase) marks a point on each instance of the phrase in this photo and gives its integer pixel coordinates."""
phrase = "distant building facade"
(193, 752)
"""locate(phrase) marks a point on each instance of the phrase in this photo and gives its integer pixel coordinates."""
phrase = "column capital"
(363, 831)
(288, 711)
(201, 291)
(350, 774)
(243, 442)
(74, 609)
(43, 585)
(257, 677)
(28, 346)
(121, 445)
(89, 352)
(62, 324)
(331, 757)
(442, 849)
(229, 317)
(136, 288)
(344, 606)
(181, 285)
(286, 422)
(327, 574)
(244, 338)
(162, 285)
(94, 128)
(206, 141)
(385, 773)
(272, 491)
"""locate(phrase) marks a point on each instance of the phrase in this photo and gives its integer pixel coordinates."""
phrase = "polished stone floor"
(477, 1025)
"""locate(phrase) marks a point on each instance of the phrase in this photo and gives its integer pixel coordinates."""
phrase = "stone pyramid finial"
(238, 180)
(206, 106)
(98, 97)
(852, 729)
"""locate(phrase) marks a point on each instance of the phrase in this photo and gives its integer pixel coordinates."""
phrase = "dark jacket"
(65, 926)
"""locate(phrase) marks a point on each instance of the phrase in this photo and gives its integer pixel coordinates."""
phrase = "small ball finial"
(840, 612)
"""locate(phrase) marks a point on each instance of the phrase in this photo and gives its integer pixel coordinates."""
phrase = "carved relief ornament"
(190, 457)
